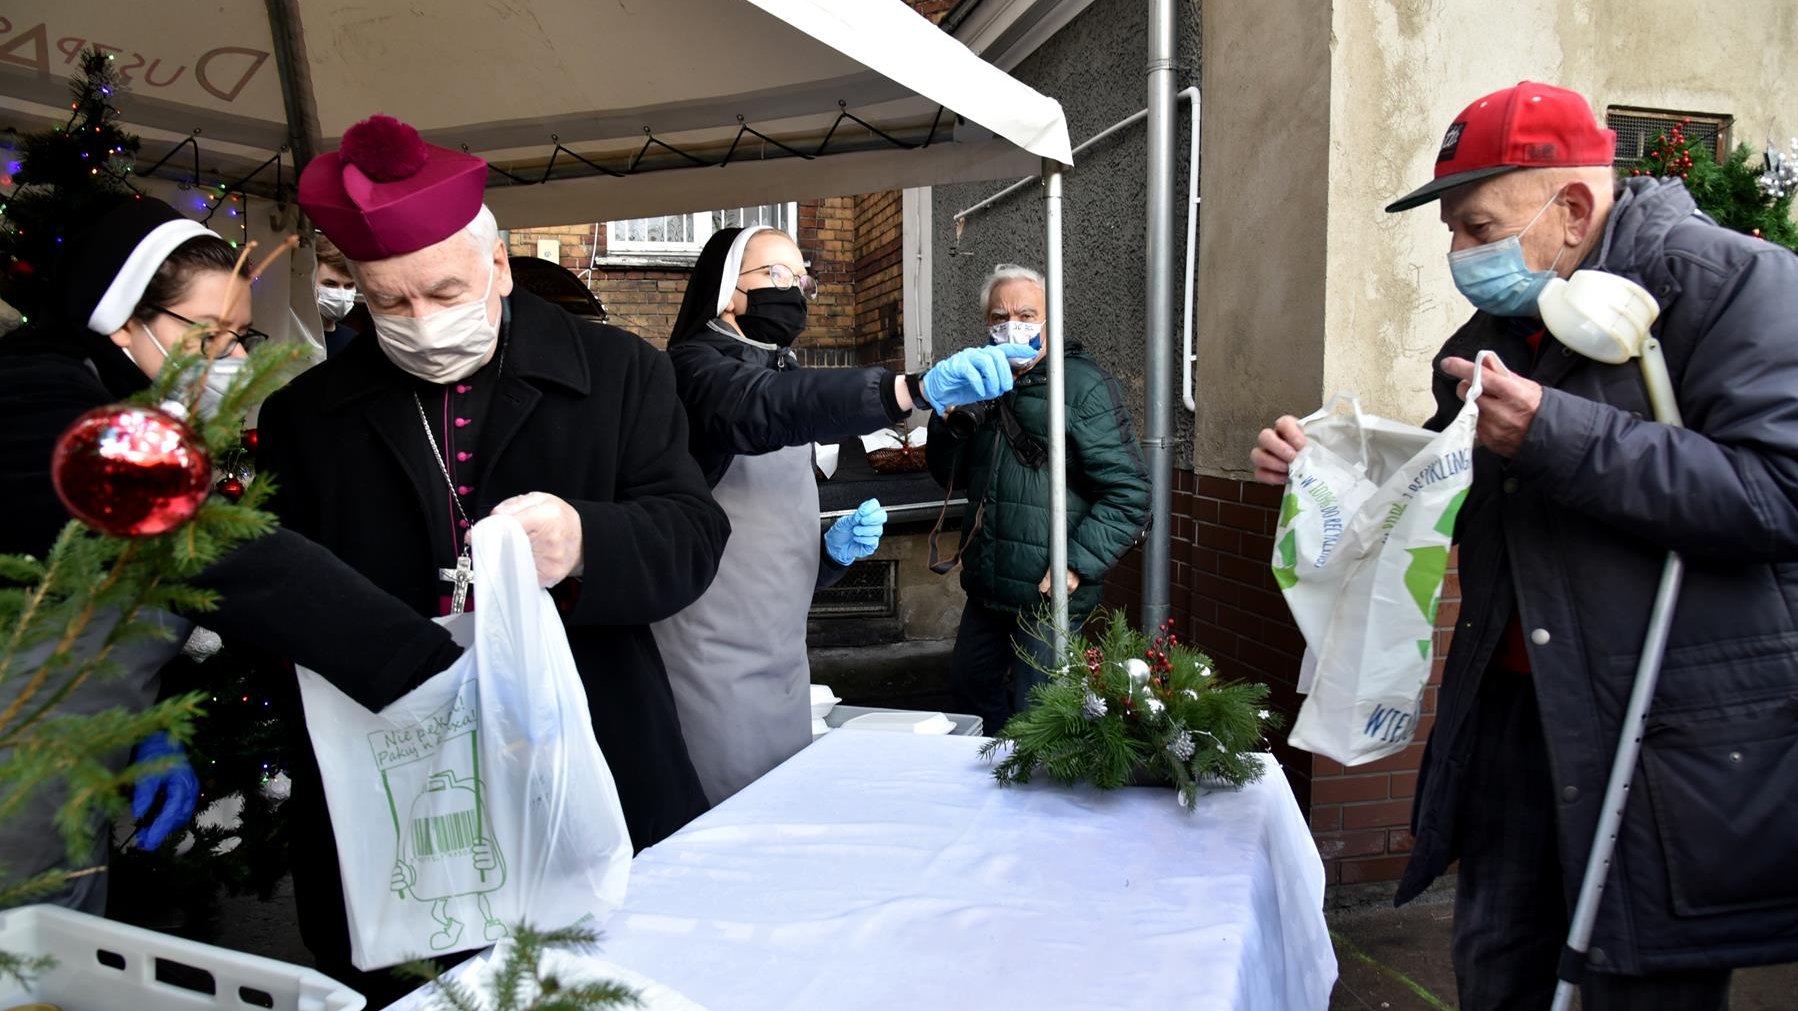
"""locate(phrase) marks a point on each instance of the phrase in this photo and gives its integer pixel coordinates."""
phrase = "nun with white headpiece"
(136, 285)
(736, 657)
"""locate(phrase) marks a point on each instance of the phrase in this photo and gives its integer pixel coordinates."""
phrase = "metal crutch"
(1617, 344)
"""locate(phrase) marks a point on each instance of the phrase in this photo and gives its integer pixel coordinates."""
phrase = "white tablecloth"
(878, 870)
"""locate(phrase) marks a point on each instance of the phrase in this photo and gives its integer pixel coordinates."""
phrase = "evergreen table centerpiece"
(1126, 709)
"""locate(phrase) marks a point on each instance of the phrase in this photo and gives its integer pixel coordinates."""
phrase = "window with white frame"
(685, 234)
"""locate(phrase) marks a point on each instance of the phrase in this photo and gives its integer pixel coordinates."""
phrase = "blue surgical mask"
(1496, 278)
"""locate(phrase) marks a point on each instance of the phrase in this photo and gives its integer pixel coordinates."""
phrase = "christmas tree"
(65, 616)
(55, 176)
(1735, 193)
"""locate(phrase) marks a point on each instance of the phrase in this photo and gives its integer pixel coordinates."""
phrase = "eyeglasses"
(218, 341)
(784, 278)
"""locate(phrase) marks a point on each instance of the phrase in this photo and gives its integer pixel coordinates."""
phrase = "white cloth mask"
(218, 375)
(443, 346)
(1016, 332)
(335, 303)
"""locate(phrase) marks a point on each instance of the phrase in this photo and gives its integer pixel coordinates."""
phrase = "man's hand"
(1507, 404)
(555, 532)
(1275, 449)
(1073, 582)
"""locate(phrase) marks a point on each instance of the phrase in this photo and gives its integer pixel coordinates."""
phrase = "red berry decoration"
(130, 471)
(231, 488)
(249, 441)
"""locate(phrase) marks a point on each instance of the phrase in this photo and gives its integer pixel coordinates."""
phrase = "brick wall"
(1222, 596)
(879, 279)
(645, 300)
(827, 238)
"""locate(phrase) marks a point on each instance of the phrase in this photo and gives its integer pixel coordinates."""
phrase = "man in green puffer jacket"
(1002, 468)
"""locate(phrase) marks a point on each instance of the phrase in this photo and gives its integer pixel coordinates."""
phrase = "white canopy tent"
(587, 111)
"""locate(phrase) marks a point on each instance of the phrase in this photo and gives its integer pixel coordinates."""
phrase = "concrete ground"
(1398, 960)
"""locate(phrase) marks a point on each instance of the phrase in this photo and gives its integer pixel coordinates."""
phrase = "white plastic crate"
(106, 966)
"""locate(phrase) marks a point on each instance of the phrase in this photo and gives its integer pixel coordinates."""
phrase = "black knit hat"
(107, 264)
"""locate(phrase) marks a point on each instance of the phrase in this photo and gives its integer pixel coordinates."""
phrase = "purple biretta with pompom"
(386, 192)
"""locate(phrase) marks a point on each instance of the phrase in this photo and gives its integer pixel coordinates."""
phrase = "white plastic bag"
(480, 799)
(1360, 553)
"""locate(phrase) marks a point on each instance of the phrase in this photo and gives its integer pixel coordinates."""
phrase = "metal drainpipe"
(1159, 285)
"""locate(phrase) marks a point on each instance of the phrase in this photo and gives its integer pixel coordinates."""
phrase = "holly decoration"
(1735, 193)
(131, 471)
(54, 179)
(1128, 708)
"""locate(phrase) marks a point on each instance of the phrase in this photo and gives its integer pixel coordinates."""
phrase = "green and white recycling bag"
(1360, 553)
(480, 799)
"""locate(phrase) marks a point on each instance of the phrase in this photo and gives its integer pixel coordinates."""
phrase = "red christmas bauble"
(249, 440)
(130, 471)
(231, 488)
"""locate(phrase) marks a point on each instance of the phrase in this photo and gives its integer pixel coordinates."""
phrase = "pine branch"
(519, 984)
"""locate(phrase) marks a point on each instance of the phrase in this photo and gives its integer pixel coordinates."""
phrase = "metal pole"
(1058, 407)
(289, 41)
(1159, 316)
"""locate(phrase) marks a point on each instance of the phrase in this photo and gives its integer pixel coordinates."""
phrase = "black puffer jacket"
(1574, 531)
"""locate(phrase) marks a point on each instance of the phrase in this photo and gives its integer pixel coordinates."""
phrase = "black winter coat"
(1574, 531)
(280, 593)
(743, 401)
(584, 411)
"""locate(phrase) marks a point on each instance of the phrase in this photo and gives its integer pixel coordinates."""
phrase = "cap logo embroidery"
(1540, 152)
(1451, 141)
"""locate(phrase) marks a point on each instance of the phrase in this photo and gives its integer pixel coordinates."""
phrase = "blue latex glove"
(857, 534)
(177, 785)
(973, 375)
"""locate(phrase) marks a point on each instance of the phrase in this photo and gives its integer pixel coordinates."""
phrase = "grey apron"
(29, 844)
(736, 657)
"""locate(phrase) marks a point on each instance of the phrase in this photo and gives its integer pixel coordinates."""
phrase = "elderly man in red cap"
(1578, 495)
(473, 398)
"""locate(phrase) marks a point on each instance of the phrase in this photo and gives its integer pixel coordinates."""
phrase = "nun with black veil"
(736, 657)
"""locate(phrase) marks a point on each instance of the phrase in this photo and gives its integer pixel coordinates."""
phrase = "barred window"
(1637, 129)
(686, 233)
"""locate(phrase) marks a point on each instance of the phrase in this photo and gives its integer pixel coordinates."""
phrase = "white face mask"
(444, 346)
(218, 376)
(1016, 332)
(335, 303)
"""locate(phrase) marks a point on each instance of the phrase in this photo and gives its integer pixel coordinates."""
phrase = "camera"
(965, 420)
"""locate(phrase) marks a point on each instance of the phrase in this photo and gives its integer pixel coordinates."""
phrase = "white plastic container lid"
(902, 723)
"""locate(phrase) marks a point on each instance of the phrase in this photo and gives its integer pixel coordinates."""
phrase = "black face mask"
(774, 316)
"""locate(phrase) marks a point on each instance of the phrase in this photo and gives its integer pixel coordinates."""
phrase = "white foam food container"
(902, 723)
(823, 701)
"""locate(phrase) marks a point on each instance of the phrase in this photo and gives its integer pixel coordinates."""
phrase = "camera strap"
(943, 566)
(1029, 452)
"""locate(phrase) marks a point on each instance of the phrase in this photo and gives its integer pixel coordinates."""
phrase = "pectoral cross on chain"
(463, 576)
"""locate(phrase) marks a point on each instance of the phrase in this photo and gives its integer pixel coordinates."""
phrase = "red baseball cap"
(1529, 126)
